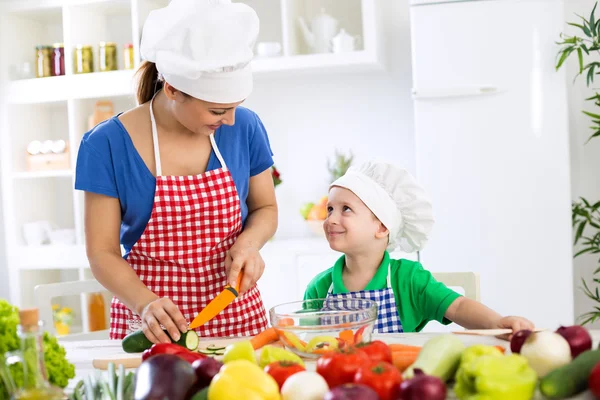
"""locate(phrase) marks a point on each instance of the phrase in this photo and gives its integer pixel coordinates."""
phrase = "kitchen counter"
(81, 353)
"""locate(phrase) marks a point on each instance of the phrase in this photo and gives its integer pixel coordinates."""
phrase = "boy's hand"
(514, 323)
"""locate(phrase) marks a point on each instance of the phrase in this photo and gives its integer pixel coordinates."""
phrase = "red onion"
(517, 340)
(578, 338)
(421, 387)
(351, 391)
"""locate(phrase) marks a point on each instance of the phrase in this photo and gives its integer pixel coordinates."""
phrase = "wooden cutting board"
(133, 360)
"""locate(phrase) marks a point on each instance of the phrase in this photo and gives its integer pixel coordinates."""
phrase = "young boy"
(377, 208)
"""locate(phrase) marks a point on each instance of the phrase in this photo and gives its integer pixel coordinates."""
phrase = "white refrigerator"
(493, 150)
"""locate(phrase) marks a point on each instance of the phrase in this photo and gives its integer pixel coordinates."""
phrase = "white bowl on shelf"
(316, 227)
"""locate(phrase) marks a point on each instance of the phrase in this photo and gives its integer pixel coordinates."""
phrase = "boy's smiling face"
(350, 226)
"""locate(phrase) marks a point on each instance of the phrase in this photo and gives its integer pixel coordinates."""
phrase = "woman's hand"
(162, 311)
(243, 255)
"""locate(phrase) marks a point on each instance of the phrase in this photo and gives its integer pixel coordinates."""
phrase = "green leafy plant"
(339, 166)
(585, 214)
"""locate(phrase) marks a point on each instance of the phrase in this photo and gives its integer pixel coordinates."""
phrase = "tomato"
(377, 350)
(382, 377)
(281, 370)
(594, 381)
(340, 366)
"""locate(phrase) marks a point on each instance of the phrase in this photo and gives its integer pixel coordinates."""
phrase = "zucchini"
(570, 379)
(440, 356)
(137, 342)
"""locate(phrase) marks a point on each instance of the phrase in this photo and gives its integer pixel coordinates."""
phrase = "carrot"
(285, 322)
(403, 347)
(264, 338)
(404, 359)
(501, 348)
(347, 336)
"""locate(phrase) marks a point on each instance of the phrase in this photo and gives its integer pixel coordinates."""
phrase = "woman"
(182, 181)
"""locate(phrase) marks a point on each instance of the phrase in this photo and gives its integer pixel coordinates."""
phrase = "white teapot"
(323, 29)
(343, 42)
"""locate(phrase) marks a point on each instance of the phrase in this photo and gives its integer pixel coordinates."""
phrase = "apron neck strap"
(389, 279)
(155, 141)
(156, 149)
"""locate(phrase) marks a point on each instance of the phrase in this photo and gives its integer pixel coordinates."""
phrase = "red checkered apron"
(181, 254)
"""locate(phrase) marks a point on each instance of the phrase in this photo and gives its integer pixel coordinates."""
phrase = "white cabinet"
(58, 107)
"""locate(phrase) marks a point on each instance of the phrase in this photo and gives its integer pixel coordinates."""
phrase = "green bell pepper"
(485, 373)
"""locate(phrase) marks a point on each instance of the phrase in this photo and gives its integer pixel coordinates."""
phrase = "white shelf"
(67, 87)
(49, 257)
(356, 61)
(43, 174)
(121, 83)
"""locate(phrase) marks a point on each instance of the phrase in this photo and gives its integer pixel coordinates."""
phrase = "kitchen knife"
(217, 304)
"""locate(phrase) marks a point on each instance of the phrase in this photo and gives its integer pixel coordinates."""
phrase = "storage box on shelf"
(59, 107)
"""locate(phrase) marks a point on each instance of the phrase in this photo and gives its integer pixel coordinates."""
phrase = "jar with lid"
(128, 56)
(43, 61)
(58, 60)
(83, 59)
(107, 53)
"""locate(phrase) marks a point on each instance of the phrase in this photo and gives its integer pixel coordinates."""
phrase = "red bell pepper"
(172, 348)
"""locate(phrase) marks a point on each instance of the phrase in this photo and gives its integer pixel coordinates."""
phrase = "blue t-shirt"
(109, 164)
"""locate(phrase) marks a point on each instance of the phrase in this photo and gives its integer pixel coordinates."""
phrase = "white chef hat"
(396, 199)
(203, 47)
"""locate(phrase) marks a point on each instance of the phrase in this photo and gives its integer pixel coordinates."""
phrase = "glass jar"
(58, 60)
(83, 58)
(107, 53)
(128, 56)
(43, 61)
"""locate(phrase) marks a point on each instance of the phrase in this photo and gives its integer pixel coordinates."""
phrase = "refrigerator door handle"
(459, 91)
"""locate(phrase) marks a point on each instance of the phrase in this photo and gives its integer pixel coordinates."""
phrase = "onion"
(305, 385)
(578, 338)
(546, 351)
(517, 340)
(422, 386)
(351, 391)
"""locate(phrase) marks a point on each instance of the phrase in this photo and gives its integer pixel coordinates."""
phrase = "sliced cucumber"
(206, 352)
(189, 340)
(213, 347)
(219, 352)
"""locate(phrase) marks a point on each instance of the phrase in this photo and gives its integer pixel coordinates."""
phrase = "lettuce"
(59, 370)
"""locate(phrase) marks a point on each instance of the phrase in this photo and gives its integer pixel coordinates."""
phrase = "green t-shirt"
(419, 297)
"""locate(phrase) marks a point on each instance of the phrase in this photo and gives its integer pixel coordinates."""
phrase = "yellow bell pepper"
(486, 374)
(242, 379)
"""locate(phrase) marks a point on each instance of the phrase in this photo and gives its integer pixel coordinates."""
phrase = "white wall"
(308, 117)
(585, 159)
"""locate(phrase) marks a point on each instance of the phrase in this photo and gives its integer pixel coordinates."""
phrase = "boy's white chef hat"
(396, 199)
(203, 47)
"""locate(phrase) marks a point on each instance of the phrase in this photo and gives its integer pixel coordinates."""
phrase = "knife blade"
(218, 304)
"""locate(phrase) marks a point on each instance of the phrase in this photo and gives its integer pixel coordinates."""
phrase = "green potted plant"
(585, 213)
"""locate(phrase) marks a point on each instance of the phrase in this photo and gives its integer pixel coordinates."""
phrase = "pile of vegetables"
(58, 368)
(558, 364)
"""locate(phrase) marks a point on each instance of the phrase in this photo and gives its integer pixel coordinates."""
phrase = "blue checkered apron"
(388, 320)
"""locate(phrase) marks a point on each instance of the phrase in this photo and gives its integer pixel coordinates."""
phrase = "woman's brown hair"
(148, 82)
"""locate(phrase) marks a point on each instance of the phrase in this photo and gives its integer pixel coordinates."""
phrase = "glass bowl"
(310, 328)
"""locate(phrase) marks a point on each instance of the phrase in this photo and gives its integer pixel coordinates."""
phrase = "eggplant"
(165, 376)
